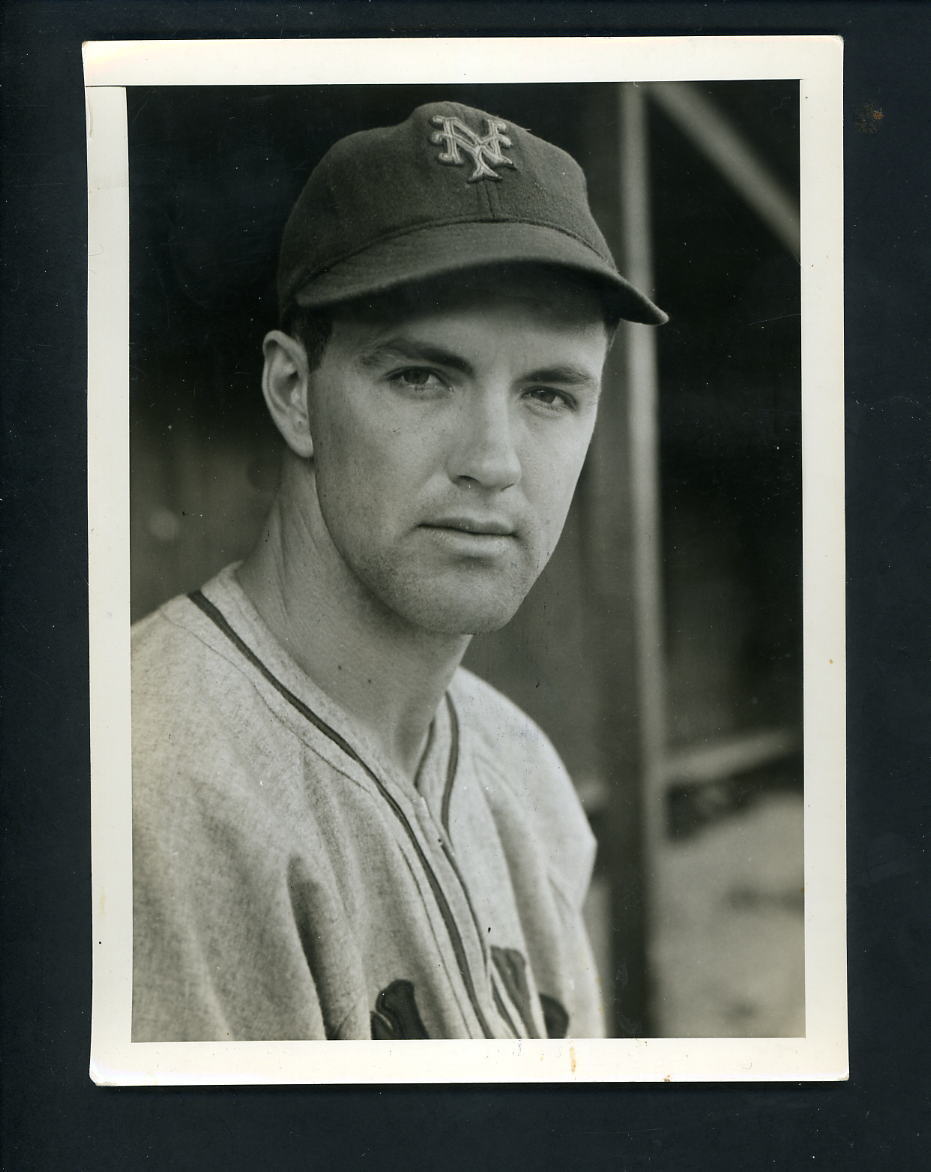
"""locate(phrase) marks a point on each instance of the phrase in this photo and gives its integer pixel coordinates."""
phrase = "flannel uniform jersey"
(288, 883)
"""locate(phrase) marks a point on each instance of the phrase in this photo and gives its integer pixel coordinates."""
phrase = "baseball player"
(339, 832)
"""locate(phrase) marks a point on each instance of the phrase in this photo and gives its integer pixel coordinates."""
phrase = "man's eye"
(417, 378)
(552, 399)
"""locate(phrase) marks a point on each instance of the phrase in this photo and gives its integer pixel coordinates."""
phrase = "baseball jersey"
(290, 883)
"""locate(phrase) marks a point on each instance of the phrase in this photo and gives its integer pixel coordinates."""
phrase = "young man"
(339, 832)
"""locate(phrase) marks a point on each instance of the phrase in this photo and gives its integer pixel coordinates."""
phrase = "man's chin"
(459, 601)
(458, 613)
(466, 620)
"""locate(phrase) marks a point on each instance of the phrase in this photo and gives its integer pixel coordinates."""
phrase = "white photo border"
(816, 62)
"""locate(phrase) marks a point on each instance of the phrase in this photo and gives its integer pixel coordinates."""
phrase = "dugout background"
(661, 648)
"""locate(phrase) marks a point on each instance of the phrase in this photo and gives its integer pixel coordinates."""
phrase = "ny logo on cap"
(455, 135)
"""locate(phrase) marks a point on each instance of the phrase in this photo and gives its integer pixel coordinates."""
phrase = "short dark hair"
(312, 328)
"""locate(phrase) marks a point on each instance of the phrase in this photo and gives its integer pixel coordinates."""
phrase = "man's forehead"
(505, 330)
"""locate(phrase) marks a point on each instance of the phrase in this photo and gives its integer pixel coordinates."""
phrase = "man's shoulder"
(180, 638)
(492, 717)
(164, 630)
(519, 771)
(170, 652)
(202, 730)
(508, 741)
(184, 670)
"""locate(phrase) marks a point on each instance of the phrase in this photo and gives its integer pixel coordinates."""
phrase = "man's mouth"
(477, 526)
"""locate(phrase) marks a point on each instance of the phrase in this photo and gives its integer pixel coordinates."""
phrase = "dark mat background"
(52, 1116)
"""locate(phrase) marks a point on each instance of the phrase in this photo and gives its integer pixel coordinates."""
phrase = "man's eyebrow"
(401, 349)
(566, 375)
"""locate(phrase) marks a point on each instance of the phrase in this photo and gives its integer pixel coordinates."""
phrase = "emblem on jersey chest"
(485, 151)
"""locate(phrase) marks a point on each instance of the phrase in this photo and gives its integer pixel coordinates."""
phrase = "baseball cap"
(450, 188)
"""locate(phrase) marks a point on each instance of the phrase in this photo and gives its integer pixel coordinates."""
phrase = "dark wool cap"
(448, 189)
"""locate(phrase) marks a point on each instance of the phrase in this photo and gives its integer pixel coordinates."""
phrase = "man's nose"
(485, 452)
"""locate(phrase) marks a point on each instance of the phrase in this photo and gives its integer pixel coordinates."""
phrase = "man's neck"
(388, 675)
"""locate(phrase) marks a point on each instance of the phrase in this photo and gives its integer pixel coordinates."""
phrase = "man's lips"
(477, 526)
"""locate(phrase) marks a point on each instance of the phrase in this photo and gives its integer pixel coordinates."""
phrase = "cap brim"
(438, 249)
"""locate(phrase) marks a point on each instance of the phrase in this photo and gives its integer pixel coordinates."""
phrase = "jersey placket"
(436, 781)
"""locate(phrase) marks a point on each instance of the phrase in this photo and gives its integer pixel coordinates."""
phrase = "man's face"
(448, 438)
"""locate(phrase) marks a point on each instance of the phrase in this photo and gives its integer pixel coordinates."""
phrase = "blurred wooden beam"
(640, 342)
(621, 502)
(713, 133)
(725, 757)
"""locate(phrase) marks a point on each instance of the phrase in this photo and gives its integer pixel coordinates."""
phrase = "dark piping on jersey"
(218, 618)
(446, 841)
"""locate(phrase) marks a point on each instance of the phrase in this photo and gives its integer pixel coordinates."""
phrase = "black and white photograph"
(466, 562)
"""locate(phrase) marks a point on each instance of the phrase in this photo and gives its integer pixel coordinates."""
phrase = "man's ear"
(285, 385)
